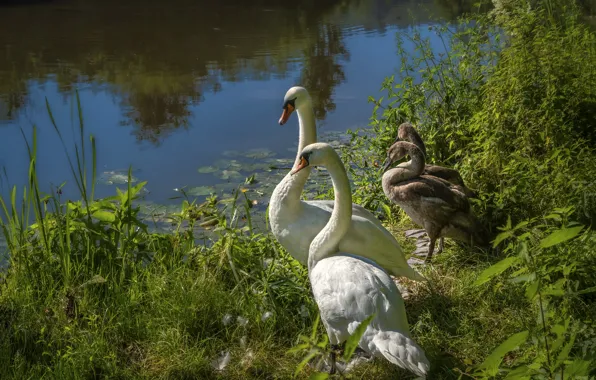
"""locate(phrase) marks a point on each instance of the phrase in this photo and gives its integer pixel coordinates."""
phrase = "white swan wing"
(357, 210)
(349, 289)
(364, 239)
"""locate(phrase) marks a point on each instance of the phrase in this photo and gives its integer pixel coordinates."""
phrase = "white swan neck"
(326, 242)
(289, 191)
(307, 128)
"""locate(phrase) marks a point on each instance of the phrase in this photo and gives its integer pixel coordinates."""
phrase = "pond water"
(189, 92)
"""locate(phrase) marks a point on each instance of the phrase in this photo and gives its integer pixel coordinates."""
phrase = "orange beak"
(301, 165)
(285, 115)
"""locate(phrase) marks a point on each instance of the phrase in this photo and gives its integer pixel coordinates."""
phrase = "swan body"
(295, 223)
(434, 203)
(406, 131)
(349, 288)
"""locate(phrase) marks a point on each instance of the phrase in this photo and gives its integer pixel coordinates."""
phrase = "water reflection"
(160, 59)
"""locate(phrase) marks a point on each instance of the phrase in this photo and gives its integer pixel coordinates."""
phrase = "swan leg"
(440, 245)
(431, 248)
(334, 349)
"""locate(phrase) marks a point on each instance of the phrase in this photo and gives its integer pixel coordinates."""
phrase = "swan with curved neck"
(407, 132)
(295, 223)
(347, 287)
(434, 203)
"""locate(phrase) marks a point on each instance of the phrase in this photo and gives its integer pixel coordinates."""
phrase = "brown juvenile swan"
(434, 203)
(406, 131)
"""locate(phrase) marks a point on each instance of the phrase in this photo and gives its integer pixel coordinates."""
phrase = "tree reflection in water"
(161, 58)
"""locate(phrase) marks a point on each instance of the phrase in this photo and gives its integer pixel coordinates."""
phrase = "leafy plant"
(317, 349)
(546, 256)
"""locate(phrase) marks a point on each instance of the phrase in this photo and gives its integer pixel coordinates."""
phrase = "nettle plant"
(550, 257)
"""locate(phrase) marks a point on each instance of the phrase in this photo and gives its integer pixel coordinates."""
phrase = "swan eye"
(291, 102)
(302, 164)
(304, 160)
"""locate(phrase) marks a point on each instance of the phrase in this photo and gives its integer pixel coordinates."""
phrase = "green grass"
(91, 292)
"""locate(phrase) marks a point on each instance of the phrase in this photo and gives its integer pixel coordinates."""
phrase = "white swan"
(295, 223)
(349, 288)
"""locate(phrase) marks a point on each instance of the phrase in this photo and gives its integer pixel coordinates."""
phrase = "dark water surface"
(173, 86)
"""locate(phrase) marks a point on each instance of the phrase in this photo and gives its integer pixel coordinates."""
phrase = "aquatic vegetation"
(115, 177)
(207, 169)
(122, 288)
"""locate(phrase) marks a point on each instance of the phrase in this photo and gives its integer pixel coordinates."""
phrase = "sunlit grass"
(92, 292)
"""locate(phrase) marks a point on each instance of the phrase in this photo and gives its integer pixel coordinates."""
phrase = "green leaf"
(578, 368)
(564, 354)
(523, 278)
(560, 236)
(587, 290)
(96, 279)
(319, 376)
(136, 188)
(354, 339)
(522, 251)
(104, 216)
(556, 289)
(492, 362)
(502, 236)
(519, 373)
(298, 348)
(305, 361)
(553, 216)
(521, 224)
(313, 334)
(495, 269)
(387, 210)
(532, 289)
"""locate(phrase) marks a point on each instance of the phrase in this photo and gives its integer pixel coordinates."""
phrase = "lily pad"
(228, 164)
(229, 174)
(201, 191)
(280, 162)
(115, 178)
(226, 186)
(207, 169)
(251, 167)
(259, 153)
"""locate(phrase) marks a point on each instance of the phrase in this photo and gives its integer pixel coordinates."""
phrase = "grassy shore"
(92, 293)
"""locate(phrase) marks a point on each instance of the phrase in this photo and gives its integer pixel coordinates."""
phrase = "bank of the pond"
(93, 292)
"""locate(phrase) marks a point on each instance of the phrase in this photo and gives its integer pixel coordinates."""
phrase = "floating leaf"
(280, 161)
(115, 178)
(200, 191)
(207, 169)
(251, 167)
(495, 270)
(560, 236)
(228, 174)
(228, 164)
(259, 153)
